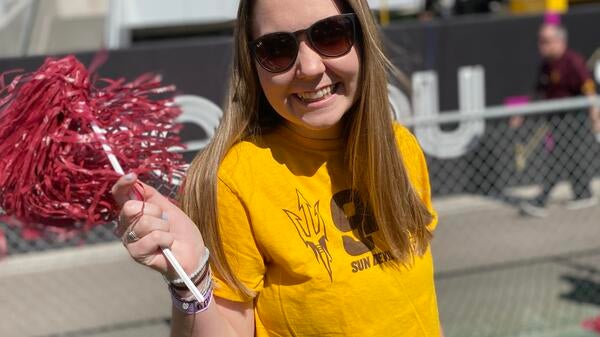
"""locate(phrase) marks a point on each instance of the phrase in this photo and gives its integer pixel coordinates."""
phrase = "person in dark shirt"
(563, 73)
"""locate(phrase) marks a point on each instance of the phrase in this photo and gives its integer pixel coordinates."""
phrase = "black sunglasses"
(331, 37)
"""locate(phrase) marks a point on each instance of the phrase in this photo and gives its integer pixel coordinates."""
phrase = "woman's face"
(314, 94)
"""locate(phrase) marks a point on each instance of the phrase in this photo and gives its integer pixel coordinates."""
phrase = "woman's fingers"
(122, 190)
(128, 187)
(133, 211)
(149, 221)
(134, 207)
(149, 224)
(147, 250)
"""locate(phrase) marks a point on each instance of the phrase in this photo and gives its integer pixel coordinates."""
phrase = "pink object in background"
(592, 324)
(516, 100)
(3, 245)
(552, 18)
(549, 143)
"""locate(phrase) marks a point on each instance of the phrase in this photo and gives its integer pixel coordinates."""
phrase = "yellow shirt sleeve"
(238, 242)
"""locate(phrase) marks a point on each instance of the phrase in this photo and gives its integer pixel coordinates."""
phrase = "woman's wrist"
(182, 297)
(202, 283)
(191, 306)
(195, 276)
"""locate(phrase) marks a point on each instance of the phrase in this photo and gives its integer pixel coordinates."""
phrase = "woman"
(315, 207)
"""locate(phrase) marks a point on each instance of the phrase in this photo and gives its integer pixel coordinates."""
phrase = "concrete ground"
(498, 274)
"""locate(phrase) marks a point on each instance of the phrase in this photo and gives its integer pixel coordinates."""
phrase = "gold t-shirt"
(292, 234)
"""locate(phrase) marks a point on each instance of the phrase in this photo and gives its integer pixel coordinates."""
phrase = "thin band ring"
(131, 236)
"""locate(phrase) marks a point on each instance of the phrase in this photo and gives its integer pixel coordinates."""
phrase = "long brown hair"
(372, 155)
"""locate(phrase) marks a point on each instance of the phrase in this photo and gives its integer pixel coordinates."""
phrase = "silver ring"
(131, 236)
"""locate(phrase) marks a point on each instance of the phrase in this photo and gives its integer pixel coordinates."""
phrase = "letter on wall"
(449, 144)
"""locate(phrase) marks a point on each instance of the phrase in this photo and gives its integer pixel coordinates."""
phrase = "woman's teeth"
(316, 95)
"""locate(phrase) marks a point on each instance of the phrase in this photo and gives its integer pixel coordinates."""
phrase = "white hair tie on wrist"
(178, 282)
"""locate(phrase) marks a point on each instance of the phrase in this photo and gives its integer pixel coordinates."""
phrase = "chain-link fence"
(516, 249)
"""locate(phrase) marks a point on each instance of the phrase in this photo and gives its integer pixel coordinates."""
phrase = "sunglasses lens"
(276, 52)
(333, 36)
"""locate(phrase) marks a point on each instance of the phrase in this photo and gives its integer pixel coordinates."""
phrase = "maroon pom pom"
(53, 171)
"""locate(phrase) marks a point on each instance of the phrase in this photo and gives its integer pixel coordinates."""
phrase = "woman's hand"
(161, 224)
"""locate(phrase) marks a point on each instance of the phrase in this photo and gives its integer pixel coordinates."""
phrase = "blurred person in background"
(570, 143)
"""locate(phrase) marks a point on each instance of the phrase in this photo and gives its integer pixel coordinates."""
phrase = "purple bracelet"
(190, 307)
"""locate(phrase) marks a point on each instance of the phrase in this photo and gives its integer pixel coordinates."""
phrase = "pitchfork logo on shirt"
(350, 216)
(311, 228)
